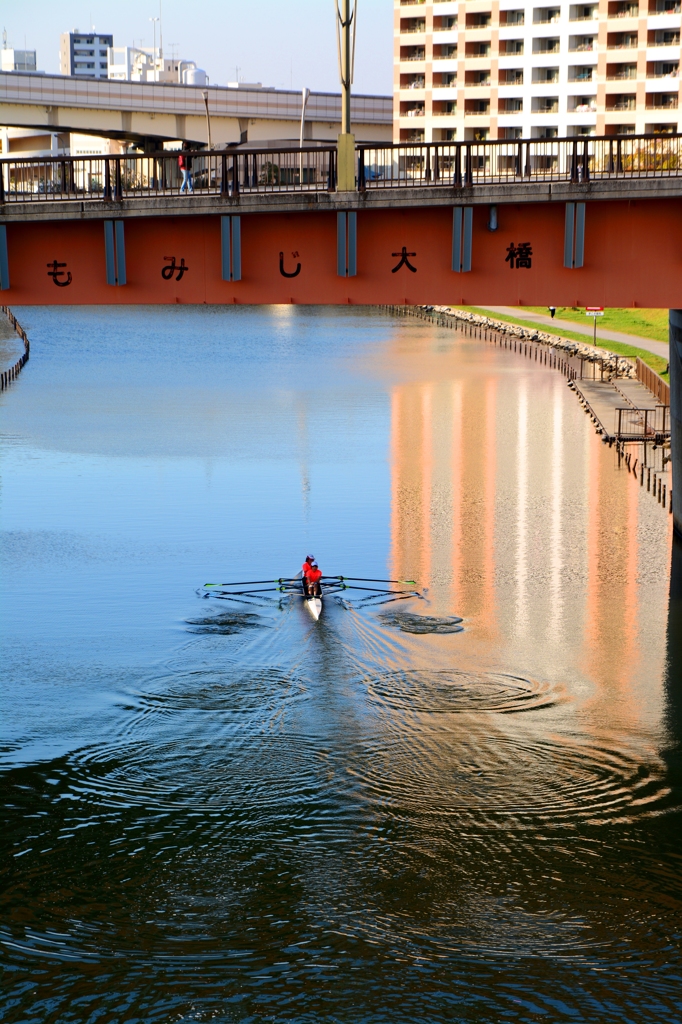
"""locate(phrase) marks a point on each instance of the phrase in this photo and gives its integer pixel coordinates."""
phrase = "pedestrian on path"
(185, 165)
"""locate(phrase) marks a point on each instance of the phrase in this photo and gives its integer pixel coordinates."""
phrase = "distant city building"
(508, 69)
(17, 60)
(142, 64)
(84, 54)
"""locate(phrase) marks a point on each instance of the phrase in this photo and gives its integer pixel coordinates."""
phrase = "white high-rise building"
(505, 69)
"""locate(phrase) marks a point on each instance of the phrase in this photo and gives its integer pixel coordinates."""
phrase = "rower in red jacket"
(314, 576)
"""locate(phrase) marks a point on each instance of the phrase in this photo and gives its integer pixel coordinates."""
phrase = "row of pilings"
(8, 376)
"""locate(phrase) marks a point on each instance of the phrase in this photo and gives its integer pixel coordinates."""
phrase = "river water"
(228, 812)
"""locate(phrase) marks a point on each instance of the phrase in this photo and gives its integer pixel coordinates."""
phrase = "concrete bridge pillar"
(675, 322)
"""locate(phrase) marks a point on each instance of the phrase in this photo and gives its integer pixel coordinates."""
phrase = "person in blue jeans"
(185, 165)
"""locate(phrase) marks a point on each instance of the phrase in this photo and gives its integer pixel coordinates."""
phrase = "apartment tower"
(84, 54)
(504, 69)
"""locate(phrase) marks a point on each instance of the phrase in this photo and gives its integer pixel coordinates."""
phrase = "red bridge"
(564, 222)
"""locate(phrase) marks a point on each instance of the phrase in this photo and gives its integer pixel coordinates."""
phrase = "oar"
(363, 579)
(261, 590)
(251, 583)
(377, 590)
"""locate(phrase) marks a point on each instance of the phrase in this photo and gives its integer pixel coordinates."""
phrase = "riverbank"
(654, 356)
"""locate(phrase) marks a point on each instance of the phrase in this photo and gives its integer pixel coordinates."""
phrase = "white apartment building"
(506, 69)
(84, 54)
(17, 60)
(145, 64)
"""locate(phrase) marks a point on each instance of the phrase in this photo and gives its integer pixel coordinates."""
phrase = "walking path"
(659, 348)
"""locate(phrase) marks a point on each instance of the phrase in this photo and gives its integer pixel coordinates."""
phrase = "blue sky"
(285, 43)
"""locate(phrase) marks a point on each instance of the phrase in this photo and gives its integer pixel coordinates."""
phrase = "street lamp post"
(154, 21)
(346, 21)
(305, 93)
(208, 118)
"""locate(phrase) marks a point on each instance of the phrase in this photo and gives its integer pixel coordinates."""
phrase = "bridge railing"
(313, 169)
(130, 176)
(462, 164)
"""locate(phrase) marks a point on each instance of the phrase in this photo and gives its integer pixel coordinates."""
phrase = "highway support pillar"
(115, 252)
(675, 335)
(345, 163)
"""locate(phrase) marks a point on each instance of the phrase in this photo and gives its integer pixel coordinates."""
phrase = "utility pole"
(346, 21)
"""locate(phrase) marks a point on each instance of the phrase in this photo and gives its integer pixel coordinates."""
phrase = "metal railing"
(651, 380)
(644, 423)
(311, 169)
(515, 161)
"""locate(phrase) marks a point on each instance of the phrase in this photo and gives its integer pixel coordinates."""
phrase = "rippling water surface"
(462, 806)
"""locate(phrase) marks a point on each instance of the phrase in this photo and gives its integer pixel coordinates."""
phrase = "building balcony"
(662, 37)
(544, 46)
(477, 51)
(546, 15)
(445, 52)
(509, 18)
(662, 101)
(444, 109)
(545, 105)
(582, 44)
(476, 108)
(663, 69)
(412, 53)
(481, 19)
(511, 47)
(664, 7)
(620, 72)
(618, 102)
(510, 76)
(510, 105)
(477, 79)
(412, 26)
(448, 24)
(584, 12)
(623, 9)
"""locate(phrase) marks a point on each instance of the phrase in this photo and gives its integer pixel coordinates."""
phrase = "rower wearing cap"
(314, 576)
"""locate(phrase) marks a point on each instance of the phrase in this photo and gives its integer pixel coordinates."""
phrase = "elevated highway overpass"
(160, 111)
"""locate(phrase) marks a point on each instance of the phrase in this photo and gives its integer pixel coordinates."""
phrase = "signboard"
(594, 310)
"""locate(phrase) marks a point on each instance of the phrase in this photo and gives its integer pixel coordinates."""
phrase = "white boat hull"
(314, 606)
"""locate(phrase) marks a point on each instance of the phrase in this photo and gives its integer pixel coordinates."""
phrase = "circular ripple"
(451, 692)
(486, 781)
(211, 691)
(410, 623)
(226, 623)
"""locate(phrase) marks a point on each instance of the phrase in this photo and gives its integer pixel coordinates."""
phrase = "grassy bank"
(647, 323)
(656, 363)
